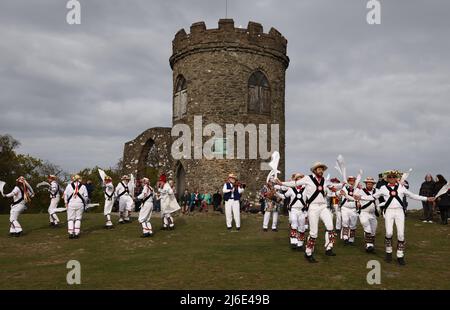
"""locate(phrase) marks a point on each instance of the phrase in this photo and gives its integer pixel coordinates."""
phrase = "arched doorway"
(180, 180)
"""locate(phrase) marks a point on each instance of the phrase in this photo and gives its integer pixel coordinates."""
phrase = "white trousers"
(145, 214)
(369, 222)
(232, 210)
(267, 219)
(52, 209)
(349, 218)
(74, 217)
(107, 211)
(396, 216)
(320, 211)
(125, 207)
(297, 219)
(14, 225)
(338, 216)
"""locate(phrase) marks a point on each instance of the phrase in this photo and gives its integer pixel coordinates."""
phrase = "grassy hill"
(202, 254)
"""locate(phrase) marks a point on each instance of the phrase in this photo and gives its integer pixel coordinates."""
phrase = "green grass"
(202, 254)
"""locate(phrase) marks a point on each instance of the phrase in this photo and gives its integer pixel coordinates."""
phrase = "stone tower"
(225, 76)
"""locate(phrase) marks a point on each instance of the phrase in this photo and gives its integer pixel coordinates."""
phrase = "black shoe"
(18, 234)
(301, 248)
(264, 229)
(294, 246)
(145, 235)
(310, 258)
(51, 224)
(76, 237)
(12, 234)
(71, 236)
(388, 257)
(346, 242)
(401, 261)
(330, 252)
(172, 228)
(275, 230)
(351, 243)
(121, 222)
(229, 228)
(238, 228)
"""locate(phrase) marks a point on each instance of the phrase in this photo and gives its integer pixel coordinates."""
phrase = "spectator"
(217, 201)
(90, 189)
(427, 189)
(195, 200)
(443, 201)
(380, 183)
(204, 202)
(157, 203)
(185, 202)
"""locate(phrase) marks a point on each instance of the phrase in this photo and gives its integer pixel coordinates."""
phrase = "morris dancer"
(368, 214)
(168, 202)
(145, 212)
(393, 212)
(22, 194)
(315, 190)
(108, 190)
(75, 199)
(335, 205)
(54, 200)
(271, 206)
(125, 200)
(349, 212)
(297, 216)
(231, 195)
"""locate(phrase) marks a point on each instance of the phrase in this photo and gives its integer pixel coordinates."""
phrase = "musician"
(232, 191)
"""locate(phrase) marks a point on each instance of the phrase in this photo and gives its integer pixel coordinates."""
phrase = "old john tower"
(226, 75)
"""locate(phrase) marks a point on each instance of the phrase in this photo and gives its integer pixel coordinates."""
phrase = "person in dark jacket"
(185, 202)
(443, 202)
(380, 183)
(217, 201)
(428, 190)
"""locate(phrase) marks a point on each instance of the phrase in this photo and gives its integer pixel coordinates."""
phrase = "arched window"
(180, 98)
(258, 93)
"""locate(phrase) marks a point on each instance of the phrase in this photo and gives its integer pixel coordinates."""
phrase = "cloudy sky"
(380, 95)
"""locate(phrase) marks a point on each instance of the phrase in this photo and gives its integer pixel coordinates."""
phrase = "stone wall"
(136, 151)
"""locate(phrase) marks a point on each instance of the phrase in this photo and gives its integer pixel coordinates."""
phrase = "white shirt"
(54, 190)
(16, 193)
(372, 206)
(291, 194)
(402, 192)
(75, 199)
(109, 189)
(310, 188)
(146, 191)
(226, 190)
(350, 202)
(120, 189)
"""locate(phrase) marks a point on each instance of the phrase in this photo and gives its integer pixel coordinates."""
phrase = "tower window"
(258, 93)
(180, 98)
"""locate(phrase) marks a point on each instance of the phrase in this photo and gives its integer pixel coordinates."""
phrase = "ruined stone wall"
(136, 151)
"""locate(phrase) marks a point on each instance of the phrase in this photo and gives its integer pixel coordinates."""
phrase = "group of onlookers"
(197, 201)
(429, 188)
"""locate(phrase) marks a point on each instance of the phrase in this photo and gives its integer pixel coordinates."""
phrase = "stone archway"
(180, 179)
(149, 153)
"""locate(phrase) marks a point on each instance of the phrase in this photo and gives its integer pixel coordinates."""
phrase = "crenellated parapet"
(251, 39)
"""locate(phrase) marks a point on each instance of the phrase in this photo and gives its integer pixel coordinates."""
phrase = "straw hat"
(370, 180)
(318, 164)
